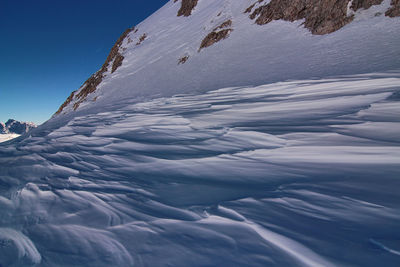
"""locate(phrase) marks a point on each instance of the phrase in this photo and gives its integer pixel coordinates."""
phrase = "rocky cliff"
(16, 127)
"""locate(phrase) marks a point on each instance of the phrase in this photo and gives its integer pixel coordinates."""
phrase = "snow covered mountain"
(12, 129)
(220, 133)
(193, 46)
(16, 127)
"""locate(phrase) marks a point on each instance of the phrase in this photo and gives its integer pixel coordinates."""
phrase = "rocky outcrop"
(3, 129)
(321, 16)
(16, 127)
(141, 39)
(394, 10)
(90, 85)
(187, 7)
(219, 33)
(365, 4)
(183, 60)
(66, 103)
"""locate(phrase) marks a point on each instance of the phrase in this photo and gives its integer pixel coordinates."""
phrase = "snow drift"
(254, 151)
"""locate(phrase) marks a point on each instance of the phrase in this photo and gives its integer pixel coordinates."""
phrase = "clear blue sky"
(49, 48)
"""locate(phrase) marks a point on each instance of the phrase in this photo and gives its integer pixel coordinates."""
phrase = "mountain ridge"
(16, 127)
(210, 140)
(320, 18)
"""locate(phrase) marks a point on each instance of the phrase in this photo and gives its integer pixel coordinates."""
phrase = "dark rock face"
(183, 60)
(17, 127)
(141, 39)
(90, 85)
(321, 16)
(365, 4)
(394, 10)
(187, 7)
(3, 128)
(69, 99)
(219, 33)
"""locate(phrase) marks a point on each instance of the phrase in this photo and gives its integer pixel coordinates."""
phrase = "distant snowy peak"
(16, 127)
(164, 54)
(3, 129)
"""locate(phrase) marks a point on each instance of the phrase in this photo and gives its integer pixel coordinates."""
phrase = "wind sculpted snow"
(300, 173)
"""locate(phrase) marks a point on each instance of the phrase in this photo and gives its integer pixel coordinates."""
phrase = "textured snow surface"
(302, 173)
(251, 55)
(6, 137)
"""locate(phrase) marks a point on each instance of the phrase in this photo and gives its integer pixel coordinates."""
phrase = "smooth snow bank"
(298, 173)
(6, 137)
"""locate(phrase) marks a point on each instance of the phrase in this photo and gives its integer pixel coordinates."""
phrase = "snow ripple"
(294, 173)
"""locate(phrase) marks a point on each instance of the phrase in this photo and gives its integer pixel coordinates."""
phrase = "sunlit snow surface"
(7, 137)
(291, 173)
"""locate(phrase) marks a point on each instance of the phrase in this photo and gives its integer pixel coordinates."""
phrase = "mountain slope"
(150, 55)
(300, 173)
(209, 140)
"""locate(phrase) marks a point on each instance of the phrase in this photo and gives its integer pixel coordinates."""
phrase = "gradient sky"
(49, 48)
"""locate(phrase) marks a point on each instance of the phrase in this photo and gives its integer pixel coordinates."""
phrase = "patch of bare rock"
(394, 10)
(219, 33)
(90, 85)
(187, 7)
(183, 60)
(320, 16)
(141, 39)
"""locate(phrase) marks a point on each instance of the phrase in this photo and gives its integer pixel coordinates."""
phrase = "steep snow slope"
(254, 151)
(251, 55)
(302, 173)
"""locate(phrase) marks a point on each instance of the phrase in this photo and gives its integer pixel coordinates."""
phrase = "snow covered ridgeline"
(12, 129)
(291, 173)
(6, 137)
(196, 46)
(16, 127)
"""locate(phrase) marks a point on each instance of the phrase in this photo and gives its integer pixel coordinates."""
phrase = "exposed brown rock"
(117, 62)
(69, 99)
(365, 4)
(90, 85)
(321, 16)
(225, 24)
(142, 38)
(187, 7)
(76, 105)
(394, 10)
(218, 34)
(250, 8)
(115, 49)
(183, 60)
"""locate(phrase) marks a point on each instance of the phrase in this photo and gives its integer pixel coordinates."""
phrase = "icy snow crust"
(267, 171)
(296, 173)
(251, 55)
(7, 137)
